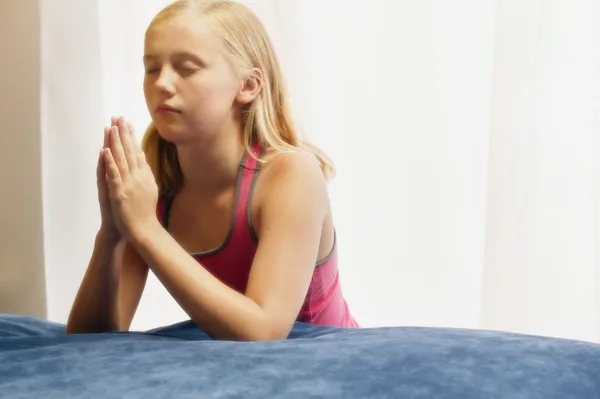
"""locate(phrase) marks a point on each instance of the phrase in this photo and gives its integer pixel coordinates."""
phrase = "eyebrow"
(149, 58)
(177, 55)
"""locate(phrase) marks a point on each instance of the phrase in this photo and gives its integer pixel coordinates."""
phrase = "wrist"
(145, 233)
(108, 237)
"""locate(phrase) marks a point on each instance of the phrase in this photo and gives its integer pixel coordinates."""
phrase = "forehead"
(182, 34)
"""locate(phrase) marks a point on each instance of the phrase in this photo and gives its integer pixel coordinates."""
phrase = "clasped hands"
(127, 190)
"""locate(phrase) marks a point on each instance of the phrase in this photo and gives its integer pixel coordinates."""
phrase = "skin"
(187, 69)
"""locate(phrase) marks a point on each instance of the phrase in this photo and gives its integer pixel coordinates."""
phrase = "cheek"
(225, 84)
(216, 96)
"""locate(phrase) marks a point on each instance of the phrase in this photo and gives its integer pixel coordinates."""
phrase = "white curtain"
(465, 132)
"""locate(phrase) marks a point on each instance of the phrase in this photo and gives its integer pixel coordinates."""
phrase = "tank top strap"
(250, 168)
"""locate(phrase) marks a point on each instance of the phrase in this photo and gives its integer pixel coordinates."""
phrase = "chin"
(172, 133)
(180, 136)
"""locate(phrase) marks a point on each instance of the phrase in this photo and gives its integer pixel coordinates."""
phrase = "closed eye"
(187, 70)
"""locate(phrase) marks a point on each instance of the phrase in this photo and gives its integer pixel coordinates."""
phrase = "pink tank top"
(324, 304)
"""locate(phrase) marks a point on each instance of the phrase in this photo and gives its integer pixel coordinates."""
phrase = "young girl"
(244, 239)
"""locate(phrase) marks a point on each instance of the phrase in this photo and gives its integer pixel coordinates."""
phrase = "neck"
(211, 166)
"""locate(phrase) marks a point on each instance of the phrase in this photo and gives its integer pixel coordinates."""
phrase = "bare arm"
(111, 288)
(295, 206)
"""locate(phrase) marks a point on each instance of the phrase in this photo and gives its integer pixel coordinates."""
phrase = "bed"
(38, 360)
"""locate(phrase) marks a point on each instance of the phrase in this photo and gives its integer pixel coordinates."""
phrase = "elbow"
(70, 330)
(75, 326)
(72, 327)
(270, 330)
(266, 335)
(267, 328)
(262, 337)
(257, 331)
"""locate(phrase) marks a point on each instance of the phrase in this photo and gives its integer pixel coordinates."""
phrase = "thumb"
(101, 168)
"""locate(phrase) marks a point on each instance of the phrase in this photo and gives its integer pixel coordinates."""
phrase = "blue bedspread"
(38, 360)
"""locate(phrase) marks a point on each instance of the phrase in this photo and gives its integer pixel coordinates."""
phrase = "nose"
(166, 81)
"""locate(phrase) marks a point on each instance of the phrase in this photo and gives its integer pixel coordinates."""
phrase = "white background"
(466, 136)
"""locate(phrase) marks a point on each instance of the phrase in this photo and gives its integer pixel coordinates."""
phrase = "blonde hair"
(267, 119)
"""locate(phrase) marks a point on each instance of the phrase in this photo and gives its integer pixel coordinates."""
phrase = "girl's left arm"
(292, 212)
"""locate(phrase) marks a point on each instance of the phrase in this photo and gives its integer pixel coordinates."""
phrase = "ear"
(250, 87)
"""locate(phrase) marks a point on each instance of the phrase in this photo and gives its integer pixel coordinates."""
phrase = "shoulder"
(292, 179)
(299, 164)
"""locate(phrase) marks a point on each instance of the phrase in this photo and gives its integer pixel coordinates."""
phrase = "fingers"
(112, 170)
(127, 143)
(141, 159)
(118, 152)
(100, 170)
(106, 138)
(134, 140)
(132, 133)
(140, 155)
(113, 123)
(126, 151)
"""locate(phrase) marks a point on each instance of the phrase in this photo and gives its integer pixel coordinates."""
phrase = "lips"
(165, 108)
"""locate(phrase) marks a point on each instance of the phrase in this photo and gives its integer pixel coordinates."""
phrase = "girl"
(244, 239)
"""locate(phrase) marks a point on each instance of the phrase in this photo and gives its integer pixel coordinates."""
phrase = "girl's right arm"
(111, 288)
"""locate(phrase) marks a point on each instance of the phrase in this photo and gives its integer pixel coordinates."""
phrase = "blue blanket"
(38, 360)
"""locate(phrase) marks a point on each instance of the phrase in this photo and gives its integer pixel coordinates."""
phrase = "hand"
(133, 192)
(107, 222)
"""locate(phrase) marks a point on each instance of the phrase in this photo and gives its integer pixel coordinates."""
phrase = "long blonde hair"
(267, 120)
